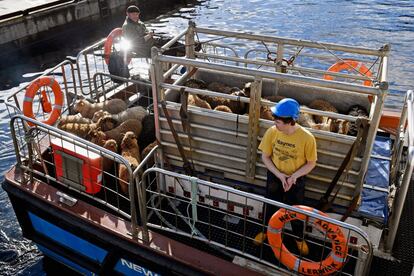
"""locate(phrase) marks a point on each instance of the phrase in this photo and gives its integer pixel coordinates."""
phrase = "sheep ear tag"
(44, 100)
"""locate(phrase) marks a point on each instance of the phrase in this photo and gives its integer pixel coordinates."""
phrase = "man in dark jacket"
(135, 31)
(142, 40)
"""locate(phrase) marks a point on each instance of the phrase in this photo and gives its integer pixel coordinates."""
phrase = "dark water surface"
(368, 23)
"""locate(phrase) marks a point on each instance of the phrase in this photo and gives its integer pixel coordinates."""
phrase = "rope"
(187, 221)
(339, 58)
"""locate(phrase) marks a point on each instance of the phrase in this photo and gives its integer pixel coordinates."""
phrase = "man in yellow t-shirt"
(289, 153)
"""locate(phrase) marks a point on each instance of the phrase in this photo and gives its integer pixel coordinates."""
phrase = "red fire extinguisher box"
(77, 166)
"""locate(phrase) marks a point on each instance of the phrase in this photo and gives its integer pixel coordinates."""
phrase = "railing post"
(399, 144)
(363, 264)
(279, 60)
(190, 41)
(133, 209)
(142, 197)
(399, 200)
(157, 96)
(254, 116)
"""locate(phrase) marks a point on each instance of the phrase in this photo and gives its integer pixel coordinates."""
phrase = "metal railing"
(188, 206)
(314, 55)
(50, 155)
(107, 85)
(406, 134)
(64, 74)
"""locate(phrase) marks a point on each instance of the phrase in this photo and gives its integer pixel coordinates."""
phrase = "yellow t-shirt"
(289, 152)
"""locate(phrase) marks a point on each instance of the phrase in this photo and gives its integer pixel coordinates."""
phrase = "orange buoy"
(115, 33)
(31, 91)
(348, 65)
(331, 264)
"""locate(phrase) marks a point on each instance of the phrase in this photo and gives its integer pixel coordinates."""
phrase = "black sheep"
(147, 135)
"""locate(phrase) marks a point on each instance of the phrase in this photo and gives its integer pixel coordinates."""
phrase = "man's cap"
(133, 8)
(286, 108)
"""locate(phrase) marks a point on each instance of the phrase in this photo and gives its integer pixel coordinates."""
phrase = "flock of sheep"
(115, 127)
(238, 107)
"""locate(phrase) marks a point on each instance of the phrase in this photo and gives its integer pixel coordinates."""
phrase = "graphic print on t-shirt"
(284, 150)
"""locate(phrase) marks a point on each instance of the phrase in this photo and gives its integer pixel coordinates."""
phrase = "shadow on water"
(370, 23)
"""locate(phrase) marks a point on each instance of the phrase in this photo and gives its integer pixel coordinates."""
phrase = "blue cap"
(286, 108)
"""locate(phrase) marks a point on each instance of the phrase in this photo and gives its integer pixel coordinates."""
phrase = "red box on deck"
(77, 166)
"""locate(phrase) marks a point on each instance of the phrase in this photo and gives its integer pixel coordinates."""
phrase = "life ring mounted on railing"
(331, 264)
(31, 92)
(114, 34)
(350, 65)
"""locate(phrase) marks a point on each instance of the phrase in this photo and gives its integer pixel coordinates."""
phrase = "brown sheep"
(99, 137)
(106, 124)
(306, 120)
(130, 151)
(107, 163)
(274, 98)
(129, 145)
(136, 112)
(223, 108)
(220, 87)
(236, 107)
(265, 112)
(99, 114)
(147, 150)
(123, 174)
(195, 83)
(196, 101)
(324, 106)
(340, 126)
(77, 118)
(332, 125)
(88, 109)
(82, 130)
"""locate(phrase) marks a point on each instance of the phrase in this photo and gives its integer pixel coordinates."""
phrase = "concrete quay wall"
(21, 29)
(37, 24)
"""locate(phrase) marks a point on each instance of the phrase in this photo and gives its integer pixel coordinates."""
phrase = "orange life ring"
(117, 32)
(31, 91)
(331, 264)
(348, 65)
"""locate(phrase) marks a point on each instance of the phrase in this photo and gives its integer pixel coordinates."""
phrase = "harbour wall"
(23, 29)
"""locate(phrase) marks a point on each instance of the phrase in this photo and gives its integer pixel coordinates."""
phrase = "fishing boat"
(194, 204)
